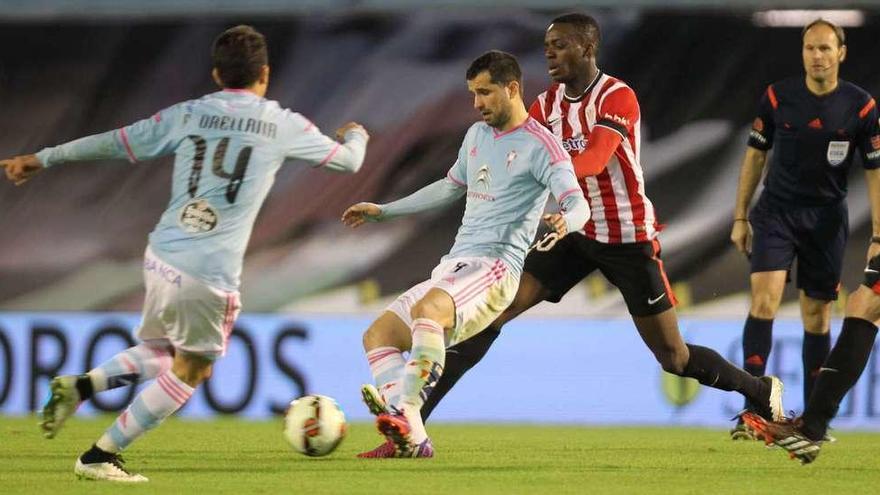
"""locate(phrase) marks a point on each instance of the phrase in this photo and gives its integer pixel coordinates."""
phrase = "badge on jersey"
(837, 152)
(198, 217)
(484, 179)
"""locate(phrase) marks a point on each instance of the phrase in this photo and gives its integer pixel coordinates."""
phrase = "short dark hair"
(838, 31)
(502, 67)
(239, 54)
(586, 26)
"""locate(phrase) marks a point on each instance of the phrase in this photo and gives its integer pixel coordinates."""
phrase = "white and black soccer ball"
(314, 425)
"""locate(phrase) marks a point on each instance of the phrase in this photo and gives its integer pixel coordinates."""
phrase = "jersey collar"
(586, 91)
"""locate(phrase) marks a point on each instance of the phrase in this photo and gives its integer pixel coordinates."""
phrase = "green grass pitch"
(238, 457)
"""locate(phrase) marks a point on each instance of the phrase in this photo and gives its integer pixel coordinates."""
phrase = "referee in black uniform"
(814, 123)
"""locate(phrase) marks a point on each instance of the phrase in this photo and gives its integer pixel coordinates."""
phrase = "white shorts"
(195, 317)
(480, 287)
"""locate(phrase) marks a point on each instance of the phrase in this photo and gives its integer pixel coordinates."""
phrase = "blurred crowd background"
(73, 238)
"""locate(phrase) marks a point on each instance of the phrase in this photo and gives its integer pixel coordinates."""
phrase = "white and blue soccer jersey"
(507, 178)
(228, 146)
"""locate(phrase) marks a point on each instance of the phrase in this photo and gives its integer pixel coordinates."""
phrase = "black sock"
(84, 387)
(712, 370)
(757, 341)
(459, 358)
(756, 344)
(815, 352)
(842, 370)
(95, 455)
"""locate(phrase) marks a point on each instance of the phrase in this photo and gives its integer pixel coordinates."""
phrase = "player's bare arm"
(356, 215)
(749, 176)
(21, 168)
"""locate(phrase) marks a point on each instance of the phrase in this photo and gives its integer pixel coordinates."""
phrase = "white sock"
(424, 368)
(156, 402)
(386, 364)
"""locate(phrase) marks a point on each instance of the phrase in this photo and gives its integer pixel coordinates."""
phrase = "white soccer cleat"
(61, 404)
(776, 408)
(109, 470)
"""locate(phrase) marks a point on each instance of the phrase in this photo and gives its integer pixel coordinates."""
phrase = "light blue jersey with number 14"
(228, 146)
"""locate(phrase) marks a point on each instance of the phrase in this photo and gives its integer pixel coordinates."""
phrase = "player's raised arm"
(145, 139)
(306, 142)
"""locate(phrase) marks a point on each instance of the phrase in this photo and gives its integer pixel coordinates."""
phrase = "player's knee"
(864, 303)
(673, 360)
(764, 306)
(374, 337)
(432, 310)
(192, 369)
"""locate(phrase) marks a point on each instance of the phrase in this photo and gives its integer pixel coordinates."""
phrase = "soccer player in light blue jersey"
(506, 167)
(228, 146)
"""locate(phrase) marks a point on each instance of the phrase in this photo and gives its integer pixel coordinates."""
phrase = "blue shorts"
(815, 235)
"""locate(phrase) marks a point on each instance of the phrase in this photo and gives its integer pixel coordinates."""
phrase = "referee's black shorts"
(634, 268)
(815, 235)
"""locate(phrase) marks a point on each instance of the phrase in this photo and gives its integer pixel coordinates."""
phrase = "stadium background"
(72, 239)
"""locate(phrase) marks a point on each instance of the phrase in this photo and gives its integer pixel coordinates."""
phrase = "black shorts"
(815, 235)
(634, 268)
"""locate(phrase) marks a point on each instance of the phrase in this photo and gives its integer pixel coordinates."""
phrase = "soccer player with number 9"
(228, 146)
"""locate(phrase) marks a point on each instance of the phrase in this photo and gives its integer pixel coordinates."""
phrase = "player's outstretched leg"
(133, 365)
(150, 408)
(383, 342)
(660, 333)
(422, 370)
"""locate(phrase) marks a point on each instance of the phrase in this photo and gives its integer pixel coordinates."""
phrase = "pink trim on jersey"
(566, 194)
(330, 155)
(453, 179)
(157, 117)
(501, 134)
(309, 127)
(557, 153)
(124, 136)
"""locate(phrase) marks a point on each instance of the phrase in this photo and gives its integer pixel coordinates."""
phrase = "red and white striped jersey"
(621, 212)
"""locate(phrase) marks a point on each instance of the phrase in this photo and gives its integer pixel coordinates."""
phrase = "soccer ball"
(314, 425)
